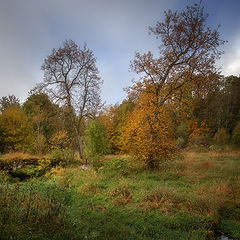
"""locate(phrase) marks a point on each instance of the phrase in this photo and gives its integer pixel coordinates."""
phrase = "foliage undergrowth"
(24, 166)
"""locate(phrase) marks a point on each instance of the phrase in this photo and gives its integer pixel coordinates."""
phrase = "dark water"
(227, 238)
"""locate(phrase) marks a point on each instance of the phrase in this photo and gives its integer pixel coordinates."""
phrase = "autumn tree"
(115, 118)
(7, 101)
(16, 130)
(71, 79)
(188, 50)
(42, 113)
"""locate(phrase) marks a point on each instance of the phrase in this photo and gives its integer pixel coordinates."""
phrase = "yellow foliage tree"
(114, 119)
(187, 55)
(15, 129)
(148, 134)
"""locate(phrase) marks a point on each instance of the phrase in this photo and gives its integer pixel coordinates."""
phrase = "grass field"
(193, 195)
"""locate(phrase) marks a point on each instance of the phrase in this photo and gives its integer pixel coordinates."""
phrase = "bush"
(236, 134)
(181, 142)
(96, 141)
(182, 131)
(221, 136)
(200, 134)
(23, 166)
(62, 157)
(201, 141)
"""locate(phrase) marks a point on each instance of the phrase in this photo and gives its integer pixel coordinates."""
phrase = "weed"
(39, 206)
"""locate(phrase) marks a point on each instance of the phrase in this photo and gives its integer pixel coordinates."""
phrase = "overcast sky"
(113, 29)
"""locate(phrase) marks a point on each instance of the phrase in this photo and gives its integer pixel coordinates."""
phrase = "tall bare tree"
(71, 79)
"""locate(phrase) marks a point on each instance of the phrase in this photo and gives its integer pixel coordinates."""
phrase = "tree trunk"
(152, 163)
(80, 150)
(75, 126)
(79, 142)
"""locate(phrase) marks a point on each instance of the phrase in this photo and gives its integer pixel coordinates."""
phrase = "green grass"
(193, 195)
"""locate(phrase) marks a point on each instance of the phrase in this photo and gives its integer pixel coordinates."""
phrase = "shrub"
(181, 142)
(200, 133)
(201, 140)
(182, 131)
(62, 157)
(221, 136)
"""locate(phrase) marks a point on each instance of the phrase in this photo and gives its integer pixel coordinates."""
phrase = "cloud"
(114, 30)
(230, 61)
(31, 28)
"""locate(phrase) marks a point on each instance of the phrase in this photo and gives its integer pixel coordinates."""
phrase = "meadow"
(193, 195)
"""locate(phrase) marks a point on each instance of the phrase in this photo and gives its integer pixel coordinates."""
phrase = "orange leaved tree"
(148, 133)
(188, 50)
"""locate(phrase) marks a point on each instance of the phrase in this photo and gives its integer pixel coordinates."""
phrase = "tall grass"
(33, 210)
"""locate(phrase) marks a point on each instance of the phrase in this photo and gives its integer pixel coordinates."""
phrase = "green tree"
(230, 102)
(96, 141)
(220, 106)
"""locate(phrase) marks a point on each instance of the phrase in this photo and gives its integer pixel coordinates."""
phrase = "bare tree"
(71, 79)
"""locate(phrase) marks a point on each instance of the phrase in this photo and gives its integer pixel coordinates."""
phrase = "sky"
(113, 29)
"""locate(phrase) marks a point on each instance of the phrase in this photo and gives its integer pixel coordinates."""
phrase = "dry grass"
(58, 171)
(206, 184)
(198, 164)
(20, 156)
(121, 196)
(162, 199)
(89, 188)
(169, 202)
